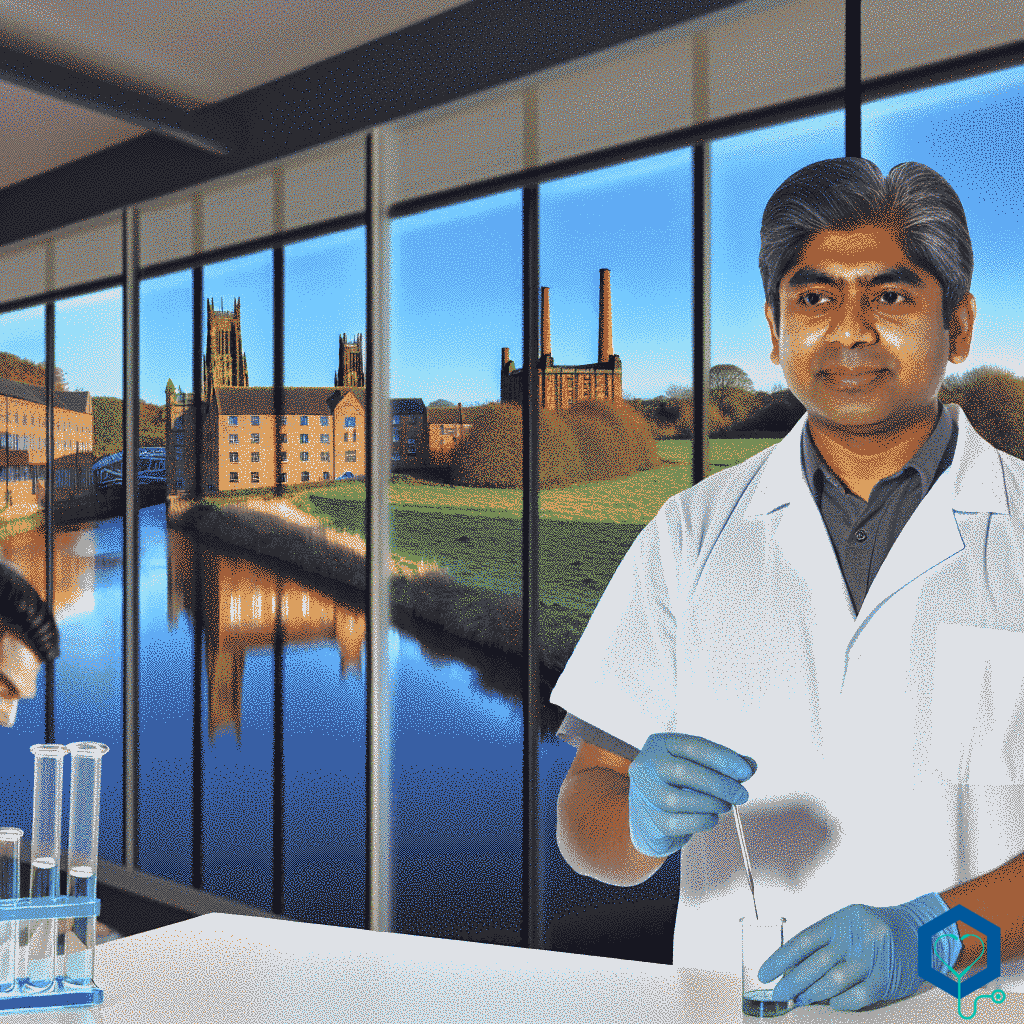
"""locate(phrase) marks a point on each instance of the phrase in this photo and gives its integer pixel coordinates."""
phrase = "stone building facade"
(321, 429)
(562, 386)
(321, 432)
(23, 445)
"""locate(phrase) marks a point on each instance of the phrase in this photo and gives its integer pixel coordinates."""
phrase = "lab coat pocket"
(977, 735)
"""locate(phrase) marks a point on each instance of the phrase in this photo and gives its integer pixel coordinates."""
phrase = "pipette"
(746, 856)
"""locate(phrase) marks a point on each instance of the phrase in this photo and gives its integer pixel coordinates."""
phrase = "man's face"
(860, 339)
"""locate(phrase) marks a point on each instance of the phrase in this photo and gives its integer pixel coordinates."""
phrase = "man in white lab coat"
(846, 609)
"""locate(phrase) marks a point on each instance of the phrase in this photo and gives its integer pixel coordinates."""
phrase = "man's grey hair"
(914, 202)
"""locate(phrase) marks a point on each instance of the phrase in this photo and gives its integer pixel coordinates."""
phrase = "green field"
(474, 533)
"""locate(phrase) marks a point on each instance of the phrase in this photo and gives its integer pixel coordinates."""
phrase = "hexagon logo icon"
(948, 982)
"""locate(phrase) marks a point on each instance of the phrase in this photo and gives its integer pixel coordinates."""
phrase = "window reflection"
(88, 535)
(616, 303)
(456, 545)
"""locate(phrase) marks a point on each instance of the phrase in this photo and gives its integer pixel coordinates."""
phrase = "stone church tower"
(350, 363)
(225, 361)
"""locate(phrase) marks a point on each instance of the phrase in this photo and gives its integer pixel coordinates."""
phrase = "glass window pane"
(750, 407)
(168, 566)
(618, 241)
(457, 776)
(22, 544)
(237, 599)
(325, 623)
(970, 133)
(88, 558)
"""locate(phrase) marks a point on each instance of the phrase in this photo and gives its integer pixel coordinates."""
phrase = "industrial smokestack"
(545, 324)
(504, 358)
(604, 337)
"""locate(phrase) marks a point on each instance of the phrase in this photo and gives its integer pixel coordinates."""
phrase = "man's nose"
(853, 325)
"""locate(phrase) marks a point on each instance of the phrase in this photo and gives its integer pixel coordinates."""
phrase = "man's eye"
(891, 297)
(811, 296)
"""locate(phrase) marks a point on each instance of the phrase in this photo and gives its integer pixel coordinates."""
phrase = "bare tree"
(676, 392)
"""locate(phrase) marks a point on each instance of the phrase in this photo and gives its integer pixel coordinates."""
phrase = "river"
(457, 738)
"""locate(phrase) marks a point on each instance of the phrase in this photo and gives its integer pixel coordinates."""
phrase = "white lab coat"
(890, 744)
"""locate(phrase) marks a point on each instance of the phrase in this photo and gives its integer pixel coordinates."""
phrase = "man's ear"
(774, 356)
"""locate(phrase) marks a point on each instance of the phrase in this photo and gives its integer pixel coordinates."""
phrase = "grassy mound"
(589, 441)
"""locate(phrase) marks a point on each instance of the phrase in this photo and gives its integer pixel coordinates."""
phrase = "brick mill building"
(321, 429)
(562, 386)
(23, 444)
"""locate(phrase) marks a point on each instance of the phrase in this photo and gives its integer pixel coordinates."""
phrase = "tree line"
(991, 397)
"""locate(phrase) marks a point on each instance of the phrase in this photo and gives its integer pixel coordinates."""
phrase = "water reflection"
(241, 605)
(237, 602)
(75, 563)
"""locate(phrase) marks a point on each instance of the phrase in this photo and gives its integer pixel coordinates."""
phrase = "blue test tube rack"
(21, 999)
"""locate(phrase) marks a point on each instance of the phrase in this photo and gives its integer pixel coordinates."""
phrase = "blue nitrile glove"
(678, 785)
(859, 955)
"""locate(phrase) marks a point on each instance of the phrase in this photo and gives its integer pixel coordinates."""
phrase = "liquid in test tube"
(44, 874)
(83, 854)
(10, 889)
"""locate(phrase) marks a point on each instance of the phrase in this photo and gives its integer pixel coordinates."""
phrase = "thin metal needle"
(746, 856)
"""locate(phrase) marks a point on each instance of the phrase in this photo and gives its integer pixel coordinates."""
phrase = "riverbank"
(277, 529)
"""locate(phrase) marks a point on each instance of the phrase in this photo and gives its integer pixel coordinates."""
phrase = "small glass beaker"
(758, 940)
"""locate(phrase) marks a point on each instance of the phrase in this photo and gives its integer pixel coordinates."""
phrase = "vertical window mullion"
(130, 584)
(531, 922)
(379, 860)
(852, 90)
(277, 897)
(50, 362)
(701, 304)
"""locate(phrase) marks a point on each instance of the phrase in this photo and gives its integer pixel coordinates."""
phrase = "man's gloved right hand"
(678, 785)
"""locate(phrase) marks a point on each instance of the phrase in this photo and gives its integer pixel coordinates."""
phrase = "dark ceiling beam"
(53, 79)
(477, 46)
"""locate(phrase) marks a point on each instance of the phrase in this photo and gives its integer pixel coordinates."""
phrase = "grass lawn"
(474, 532)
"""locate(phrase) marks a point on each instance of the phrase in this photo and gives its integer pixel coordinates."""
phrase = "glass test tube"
(83, 853)
(10, 889)
(44, 874)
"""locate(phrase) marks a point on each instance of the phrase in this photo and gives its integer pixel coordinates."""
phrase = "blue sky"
(456, 293)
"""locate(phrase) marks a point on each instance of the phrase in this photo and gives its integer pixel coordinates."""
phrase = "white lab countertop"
(227, 967)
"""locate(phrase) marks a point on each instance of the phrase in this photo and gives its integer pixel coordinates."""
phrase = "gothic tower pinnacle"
(225, 364)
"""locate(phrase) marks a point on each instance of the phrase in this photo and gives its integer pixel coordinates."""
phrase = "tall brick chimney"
(545, 324)
(504, 358)
(604, 336)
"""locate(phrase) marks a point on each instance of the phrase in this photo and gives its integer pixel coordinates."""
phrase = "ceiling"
(186, 54)
(154, 96)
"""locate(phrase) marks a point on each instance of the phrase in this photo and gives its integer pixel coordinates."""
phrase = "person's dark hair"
(27, 613)
(914, 202)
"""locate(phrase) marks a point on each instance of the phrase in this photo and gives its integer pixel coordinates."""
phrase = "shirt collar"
(925, 460)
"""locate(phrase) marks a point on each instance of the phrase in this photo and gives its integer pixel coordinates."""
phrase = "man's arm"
(998, 897)
(593, 820)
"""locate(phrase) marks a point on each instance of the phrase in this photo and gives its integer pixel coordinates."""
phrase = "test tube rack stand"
(58, 996)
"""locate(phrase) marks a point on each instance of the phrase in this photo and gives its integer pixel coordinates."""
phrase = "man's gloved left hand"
(855, 957)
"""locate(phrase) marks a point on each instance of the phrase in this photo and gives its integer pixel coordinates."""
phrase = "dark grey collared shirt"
(862, 532)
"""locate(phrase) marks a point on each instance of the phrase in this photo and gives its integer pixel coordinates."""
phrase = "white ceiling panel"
(188, 54)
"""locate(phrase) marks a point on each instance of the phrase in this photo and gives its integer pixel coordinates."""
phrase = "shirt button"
(861, 535)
